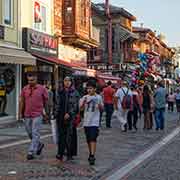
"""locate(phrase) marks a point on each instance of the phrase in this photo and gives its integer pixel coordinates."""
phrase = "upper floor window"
(83, 12)
(8, 12)
(40, 16)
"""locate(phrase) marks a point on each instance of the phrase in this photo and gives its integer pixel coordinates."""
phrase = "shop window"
(8, 12)
(40, 17)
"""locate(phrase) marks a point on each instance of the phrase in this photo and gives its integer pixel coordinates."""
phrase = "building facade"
(73, 27)
(12, 57)
(149, 42)
(122, 39)
(37, 23)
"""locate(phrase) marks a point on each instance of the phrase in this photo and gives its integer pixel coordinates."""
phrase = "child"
(91, 104)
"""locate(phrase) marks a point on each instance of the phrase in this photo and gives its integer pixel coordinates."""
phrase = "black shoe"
(70, 158)
(41, 146)
(125, 127)
(91, 160)
(157, 129)
(30, 157)
(108, 127)
(59, 157)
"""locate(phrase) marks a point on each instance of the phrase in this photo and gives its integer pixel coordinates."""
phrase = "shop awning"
(104, 78)
(56, 60)
(78, 70)
(16, 56)
(125, 34)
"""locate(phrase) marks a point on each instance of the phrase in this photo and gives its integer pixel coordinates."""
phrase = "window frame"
(11, 25)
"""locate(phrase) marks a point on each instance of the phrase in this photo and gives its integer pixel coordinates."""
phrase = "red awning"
(104, 78)
(76, 67)
(57, 61)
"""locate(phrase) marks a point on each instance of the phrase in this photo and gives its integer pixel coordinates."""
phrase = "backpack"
(126, 101)
(135, 102)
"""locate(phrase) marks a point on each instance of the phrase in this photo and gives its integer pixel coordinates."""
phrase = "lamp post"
(108, 15)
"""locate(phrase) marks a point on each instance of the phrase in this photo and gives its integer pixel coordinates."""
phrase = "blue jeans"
(109, 111)
(33, 126)
(159, 118)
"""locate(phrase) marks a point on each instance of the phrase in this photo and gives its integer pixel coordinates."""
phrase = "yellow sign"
(2, 92)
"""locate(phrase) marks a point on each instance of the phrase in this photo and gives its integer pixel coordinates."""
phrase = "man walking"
(32, 102)
(108, 95)
(123, 103)
(160, 105)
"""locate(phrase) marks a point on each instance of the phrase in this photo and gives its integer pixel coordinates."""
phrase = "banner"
(37, 12)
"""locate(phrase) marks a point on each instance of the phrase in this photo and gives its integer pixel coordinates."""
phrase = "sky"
(162, 16)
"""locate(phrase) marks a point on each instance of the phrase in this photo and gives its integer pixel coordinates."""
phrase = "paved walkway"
(114, 150)
(164, 165)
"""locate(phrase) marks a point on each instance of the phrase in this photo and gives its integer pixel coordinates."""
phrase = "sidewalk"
(114, 150)
(15, 131)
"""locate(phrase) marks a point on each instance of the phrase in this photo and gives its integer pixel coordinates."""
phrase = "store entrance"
(7, 90)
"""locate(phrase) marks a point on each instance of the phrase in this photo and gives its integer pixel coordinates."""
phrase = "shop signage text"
(39, 43)
(43, 41)
(105, 67)
(1, 32)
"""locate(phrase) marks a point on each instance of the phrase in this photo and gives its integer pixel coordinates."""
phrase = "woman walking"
(66, 109)
(147, 108)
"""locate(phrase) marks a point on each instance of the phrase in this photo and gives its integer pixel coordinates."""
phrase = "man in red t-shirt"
(108, 96)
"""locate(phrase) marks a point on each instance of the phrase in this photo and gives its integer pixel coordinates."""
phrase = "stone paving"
(114, 150)
(16, 131)
(164, 165)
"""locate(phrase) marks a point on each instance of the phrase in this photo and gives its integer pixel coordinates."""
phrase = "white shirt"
(177, 96)
(120, 94)
(91, 111)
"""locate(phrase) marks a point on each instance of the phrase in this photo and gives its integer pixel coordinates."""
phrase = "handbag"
(54, 131)
(77, 120)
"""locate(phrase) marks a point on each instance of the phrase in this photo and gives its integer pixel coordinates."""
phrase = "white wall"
(27, 13)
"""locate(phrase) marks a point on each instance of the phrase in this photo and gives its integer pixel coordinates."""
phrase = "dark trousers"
(132, 119)
(74, 143)
(171, 106)
(65, 141)
(109, 111)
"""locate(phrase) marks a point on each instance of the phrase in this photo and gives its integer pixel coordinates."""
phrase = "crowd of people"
(127, 104)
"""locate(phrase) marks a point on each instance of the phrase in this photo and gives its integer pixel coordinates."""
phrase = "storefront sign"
(105, 67)
(80, 73)
(72, 55)
(39, 43)
(1, 32)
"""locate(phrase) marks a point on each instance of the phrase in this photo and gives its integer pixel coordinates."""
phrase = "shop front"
(11, 60)
(44, 48)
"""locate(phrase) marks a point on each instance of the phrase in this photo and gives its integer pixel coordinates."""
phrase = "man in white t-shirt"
(122, 112)
(91, 104)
